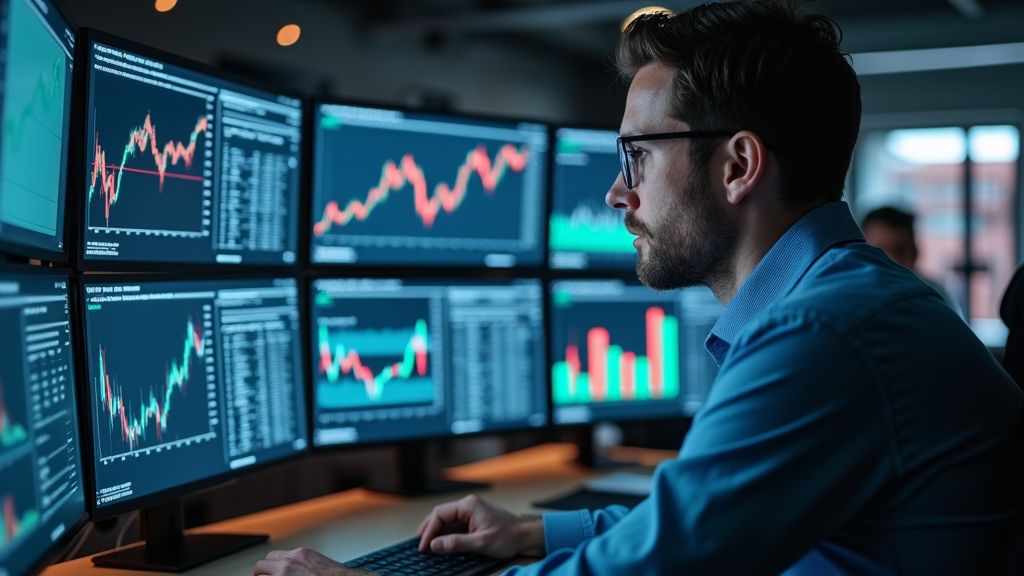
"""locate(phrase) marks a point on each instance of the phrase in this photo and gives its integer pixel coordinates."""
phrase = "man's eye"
(635, 154)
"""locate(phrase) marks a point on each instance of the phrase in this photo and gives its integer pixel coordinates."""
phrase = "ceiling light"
(288, 35)
(648, 10)
(165, 5)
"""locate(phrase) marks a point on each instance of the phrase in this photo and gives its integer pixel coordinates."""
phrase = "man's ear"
(746, 160)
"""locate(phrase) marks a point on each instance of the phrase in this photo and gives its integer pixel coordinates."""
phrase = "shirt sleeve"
(570, 529)
(792, 441)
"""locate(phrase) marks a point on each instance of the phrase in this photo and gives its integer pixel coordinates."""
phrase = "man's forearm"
(531, 534)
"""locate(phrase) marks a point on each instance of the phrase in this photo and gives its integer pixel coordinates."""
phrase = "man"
(892, 230)
(856, 426)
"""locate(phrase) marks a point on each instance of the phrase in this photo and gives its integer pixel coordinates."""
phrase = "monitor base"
(197, 549)
(166, 547)
(414, 477)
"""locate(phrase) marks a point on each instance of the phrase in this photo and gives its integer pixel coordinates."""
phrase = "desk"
(352, 523)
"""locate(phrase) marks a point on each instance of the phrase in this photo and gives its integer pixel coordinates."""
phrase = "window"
(961, 184)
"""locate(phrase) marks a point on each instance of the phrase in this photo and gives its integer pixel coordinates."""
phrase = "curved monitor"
(584, 232)
(407, 188)
(184, 165)
(38, 47)
(621, 351)
(189, 382)
(406, 360)
(42, 500)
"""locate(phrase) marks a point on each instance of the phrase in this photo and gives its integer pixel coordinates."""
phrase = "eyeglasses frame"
(626, 165)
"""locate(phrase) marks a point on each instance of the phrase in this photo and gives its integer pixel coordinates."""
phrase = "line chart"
(36, 108)
(142, 139)
(394, 177)
(342, 360)
(47, 94)
(132, 422)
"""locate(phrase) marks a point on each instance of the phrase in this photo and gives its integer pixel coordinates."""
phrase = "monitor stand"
(168, 549)
(414, 477)
(583, 438)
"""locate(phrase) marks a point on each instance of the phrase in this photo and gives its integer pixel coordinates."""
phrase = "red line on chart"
(165, 174)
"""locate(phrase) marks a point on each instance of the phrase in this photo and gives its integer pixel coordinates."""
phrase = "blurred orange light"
(288, 35)
(165, 5)
(642, 11)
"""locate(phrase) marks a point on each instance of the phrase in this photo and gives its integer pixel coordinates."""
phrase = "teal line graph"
(33, 123)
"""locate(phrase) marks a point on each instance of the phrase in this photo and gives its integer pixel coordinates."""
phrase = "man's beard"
(693, 244)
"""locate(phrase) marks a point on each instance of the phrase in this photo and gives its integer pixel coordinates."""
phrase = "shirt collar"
(781, 269)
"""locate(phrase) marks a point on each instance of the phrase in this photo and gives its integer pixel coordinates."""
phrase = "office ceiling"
(589, 29)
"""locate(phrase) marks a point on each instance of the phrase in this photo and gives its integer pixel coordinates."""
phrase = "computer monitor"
(42, 499)
(184, 165)
(584, 232)
(404, 360)
(38, 46)
(394, 187)
(189, 382)
(621, 351)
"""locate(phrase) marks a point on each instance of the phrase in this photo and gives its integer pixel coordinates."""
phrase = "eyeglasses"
(628, 157)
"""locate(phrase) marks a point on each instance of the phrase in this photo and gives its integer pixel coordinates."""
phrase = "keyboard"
(405, 558)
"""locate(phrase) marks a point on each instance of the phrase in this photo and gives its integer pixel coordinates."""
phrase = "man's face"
(897, 242)
(683, 234)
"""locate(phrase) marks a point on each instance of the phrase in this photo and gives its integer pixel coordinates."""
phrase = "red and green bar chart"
(613, 372)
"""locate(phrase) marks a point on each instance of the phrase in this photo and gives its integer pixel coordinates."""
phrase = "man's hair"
(891, 217)
(769, 66)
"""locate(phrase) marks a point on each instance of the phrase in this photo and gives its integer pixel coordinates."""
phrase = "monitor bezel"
(505, 279)
(45, 254)
(97, 512)
(56, 548)
(549, 317)
(77, 182)
(442, 270)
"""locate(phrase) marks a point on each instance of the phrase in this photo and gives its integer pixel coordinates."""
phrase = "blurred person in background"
(892, 230)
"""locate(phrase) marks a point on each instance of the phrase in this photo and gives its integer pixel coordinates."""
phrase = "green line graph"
(33, 123)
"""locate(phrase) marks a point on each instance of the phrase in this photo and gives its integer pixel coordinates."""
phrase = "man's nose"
(620, 197)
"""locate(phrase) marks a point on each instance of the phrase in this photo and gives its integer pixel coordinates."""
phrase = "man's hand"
(302, 562)
(485, 529)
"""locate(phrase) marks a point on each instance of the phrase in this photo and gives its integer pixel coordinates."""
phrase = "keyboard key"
(404, 558)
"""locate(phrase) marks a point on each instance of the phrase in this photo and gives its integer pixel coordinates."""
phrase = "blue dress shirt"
(856, 426)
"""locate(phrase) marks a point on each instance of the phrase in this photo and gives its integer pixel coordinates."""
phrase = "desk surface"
(352, 523)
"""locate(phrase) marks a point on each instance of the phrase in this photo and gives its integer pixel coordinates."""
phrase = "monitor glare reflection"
(402, 360)
(38, 47)
(186, 167)
(621, 351)
(41, 494)
(392, 187)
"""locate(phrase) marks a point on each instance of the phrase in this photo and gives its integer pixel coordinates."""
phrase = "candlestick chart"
(142, 140)
(15, 520)
(626, 356)
(149, 395)
(384, 360)
(149, 158)
(35, 119)
(19, 507)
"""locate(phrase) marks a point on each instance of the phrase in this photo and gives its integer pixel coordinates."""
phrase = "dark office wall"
(966, 89)
(339, 54)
